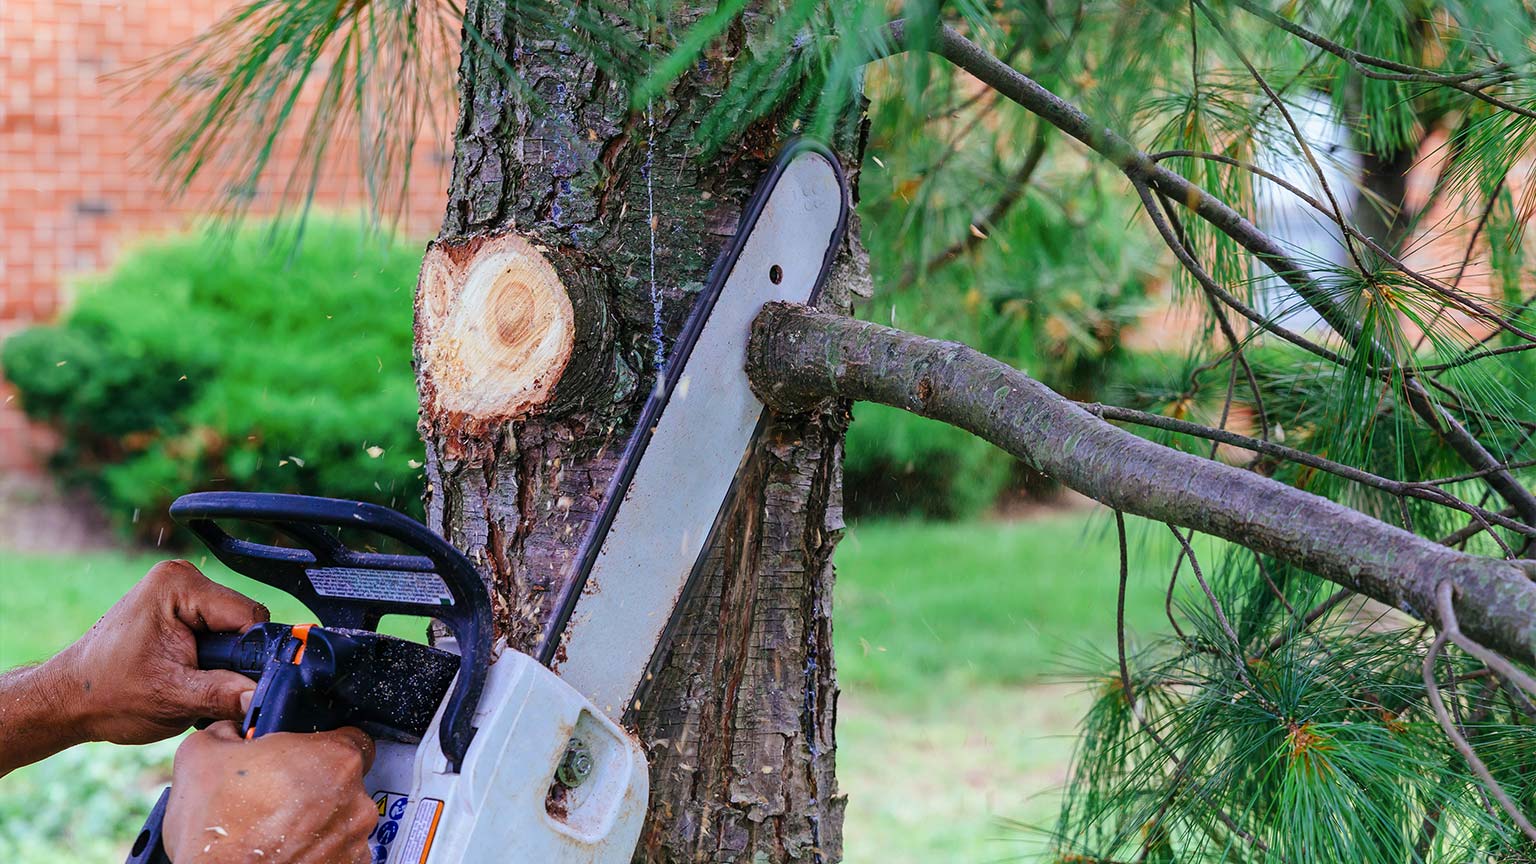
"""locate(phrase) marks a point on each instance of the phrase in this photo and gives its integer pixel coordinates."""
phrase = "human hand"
(133, 677)
(283, 798)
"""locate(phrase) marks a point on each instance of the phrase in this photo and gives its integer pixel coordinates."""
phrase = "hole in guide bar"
(775, 274)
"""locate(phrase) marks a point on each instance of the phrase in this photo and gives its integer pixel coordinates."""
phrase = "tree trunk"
(534, 351)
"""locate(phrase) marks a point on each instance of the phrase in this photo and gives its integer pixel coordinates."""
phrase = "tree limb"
(797, 357)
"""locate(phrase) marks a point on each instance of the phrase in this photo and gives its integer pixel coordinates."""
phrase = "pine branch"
(1146, 173)
(1364, 63)
(797, 357)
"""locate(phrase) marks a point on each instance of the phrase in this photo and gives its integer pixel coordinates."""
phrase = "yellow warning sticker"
(391, 807)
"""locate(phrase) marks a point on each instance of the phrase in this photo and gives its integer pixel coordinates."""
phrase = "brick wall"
(77, 181)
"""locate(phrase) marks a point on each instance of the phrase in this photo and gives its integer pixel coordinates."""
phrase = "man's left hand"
(134, 677)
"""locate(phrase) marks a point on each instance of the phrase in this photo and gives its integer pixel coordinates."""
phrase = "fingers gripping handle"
(348, 588)
(277, 706)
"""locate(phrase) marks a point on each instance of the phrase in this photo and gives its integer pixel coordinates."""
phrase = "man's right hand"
(283, 798)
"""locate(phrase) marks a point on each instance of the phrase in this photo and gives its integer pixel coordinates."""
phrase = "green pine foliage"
(1292, 743)
(265, 361)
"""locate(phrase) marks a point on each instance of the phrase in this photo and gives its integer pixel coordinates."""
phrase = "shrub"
(254, 362)
(898, 463)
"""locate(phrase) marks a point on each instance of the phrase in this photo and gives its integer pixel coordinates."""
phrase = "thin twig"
(1180, 765)
(1221, 614)
(1307, 621)
(1450, 630)
(1125, 569)
(1470, 530)
(1233, 343)
(1421, 491)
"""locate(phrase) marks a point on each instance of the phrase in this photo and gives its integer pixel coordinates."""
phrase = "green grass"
(948, 638)
(925, 608)
(955, 729)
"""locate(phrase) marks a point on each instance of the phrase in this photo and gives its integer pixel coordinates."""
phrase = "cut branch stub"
(494, 330)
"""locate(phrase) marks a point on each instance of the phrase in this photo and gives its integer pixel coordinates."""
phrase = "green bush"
(83, 804)
(254, 362)
(899, 463)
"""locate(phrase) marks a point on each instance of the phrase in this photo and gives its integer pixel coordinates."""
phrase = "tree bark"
(799, 356)
(578, 233)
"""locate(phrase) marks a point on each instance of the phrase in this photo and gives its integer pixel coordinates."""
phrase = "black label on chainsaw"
(391, 586)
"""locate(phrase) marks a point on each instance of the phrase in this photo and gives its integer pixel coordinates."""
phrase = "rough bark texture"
(740, 723)
(799, 356)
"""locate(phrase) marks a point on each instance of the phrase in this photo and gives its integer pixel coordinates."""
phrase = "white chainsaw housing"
(500, 807)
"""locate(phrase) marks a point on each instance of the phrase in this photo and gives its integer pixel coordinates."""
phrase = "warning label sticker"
(391, 806)
(423, 830)
(398, 586)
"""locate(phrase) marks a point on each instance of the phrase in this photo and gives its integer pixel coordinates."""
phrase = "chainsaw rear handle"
(282, 703)
(259, 649)
(245, 653)
(351, 589)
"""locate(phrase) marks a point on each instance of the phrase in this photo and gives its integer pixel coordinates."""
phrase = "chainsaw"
(485, 753)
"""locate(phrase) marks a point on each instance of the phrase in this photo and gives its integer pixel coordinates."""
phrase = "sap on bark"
(494, 331)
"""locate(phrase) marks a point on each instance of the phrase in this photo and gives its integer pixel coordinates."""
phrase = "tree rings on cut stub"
(494, 328)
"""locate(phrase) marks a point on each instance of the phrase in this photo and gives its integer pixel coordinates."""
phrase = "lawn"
(954, 642)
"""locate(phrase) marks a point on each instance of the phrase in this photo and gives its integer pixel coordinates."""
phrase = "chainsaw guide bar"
(676, 477)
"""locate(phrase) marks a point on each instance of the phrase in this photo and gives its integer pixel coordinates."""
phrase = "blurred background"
(973, 594)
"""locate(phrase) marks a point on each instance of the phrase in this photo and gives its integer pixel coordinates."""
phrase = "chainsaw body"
(556, 779)
(549, 779)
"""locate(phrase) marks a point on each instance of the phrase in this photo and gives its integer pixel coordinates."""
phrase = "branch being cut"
(798, 357)
(1146, 173)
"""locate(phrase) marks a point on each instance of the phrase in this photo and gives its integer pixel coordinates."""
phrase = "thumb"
(223, 730)
(218, 694)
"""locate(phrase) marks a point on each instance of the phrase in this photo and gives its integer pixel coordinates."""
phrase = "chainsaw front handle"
(352, 589)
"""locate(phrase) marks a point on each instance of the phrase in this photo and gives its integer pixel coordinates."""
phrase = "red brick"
(68, 133)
